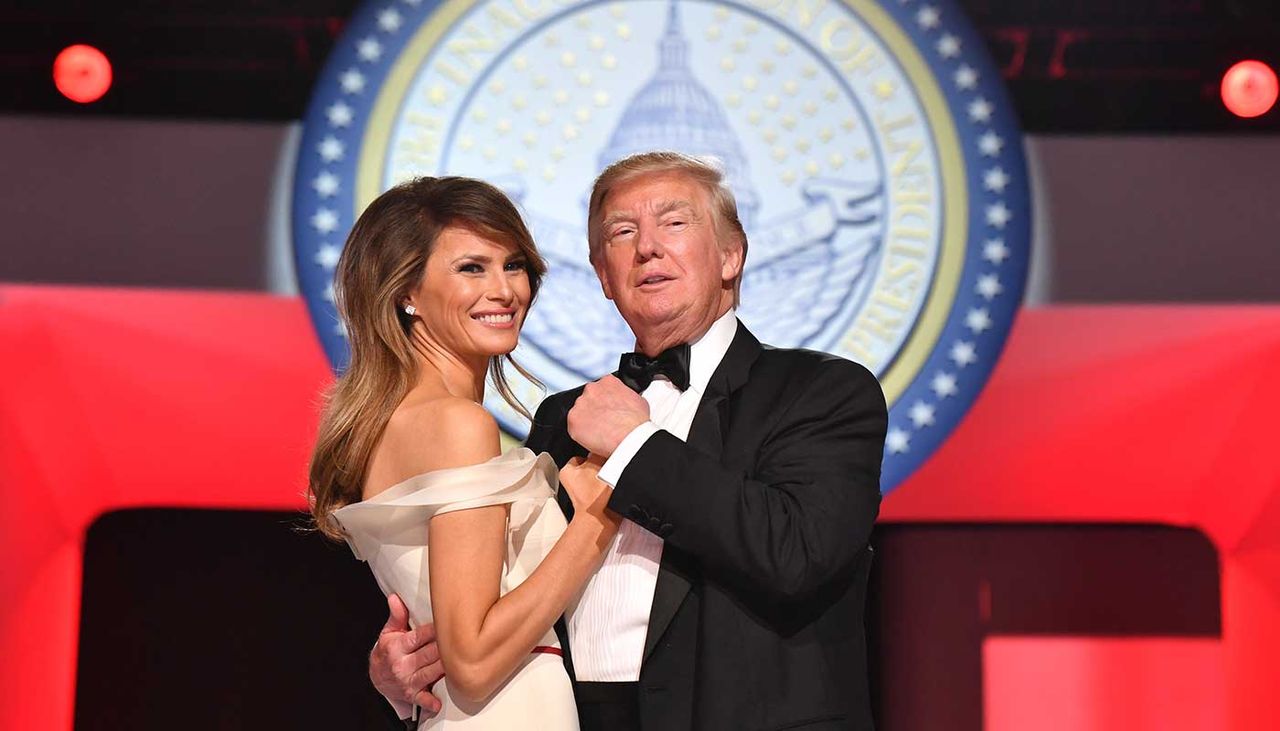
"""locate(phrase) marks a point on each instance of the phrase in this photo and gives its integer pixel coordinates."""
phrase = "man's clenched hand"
(605, 413)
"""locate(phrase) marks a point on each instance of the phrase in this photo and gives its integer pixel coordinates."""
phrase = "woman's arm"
(483, 636)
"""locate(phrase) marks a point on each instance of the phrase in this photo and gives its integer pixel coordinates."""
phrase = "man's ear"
(731, 259)
(604, 281)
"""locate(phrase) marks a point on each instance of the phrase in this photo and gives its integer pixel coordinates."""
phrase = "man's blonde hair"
(704, 171)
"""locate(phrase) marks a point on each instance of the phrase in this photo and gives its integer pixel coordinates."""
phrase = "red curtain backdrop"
(116, 399)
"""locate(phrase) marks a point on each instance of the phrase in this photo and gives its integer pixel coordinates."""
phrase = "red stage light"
(82, 73)
(1249, 88)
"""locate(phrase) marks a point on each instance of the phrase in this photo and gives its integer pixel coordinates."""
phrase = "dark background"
(243, 620)
(1073, 65)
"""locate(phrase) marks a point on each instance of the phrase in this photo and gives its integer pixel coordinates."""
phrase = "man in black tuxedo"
(734, 596)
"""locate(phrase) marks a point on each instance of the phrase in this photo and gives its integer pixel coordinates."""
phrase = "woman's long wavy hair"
(382, 262)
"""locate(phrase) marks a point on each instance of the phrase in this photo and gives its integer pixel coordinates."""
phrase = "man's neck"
(655, 341)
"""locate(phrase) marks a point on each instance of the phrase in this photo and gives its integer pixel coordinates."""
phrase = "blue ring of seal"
(1009, 264)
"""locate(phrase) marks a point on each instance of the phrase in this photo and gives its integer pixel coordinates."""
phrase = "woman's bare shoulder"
(433, 434)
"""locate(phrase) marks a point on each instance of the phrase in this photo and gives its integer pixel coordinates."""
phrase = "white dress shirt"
(607, 627)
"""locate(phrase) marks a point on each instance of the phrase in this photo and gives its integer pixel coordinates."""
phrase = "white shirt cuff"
(611, 470)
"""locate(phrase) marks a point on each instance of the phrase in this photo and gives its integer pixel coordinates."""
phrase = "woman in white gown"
(433, 285)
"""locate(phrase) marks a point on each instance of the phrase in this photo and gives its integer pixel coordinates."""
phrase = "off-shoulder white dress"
(389, 531)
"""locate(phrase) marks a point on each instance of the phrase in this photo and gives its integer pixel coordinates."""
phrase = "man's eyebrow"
(665, 207)
(661, 208)
(616, 217)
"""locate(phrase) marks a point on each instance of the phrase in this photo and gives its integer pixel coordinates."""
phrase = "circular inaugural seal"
(871, 147)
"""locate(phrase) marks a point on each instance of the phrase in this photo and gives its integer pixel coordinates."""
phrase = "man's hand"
(405, 663)
(605, 414)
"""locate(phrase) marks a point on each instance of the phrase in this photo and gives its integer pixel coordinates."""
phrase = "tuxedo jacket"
(765, 514)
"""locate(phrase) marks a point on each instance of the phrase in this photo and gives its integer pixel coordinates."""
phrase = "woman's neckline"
(381, 496)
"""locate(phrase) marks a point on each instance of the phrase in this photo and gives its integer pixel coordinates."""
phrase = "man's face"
(659, 260)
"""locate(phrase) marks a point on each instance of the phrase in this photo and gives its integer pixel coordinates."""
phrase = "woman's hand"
(589, 494)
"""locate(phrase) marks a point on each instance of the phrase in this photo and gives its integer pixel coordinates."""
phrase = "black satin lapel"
(704, 432)
(670, 591)
(673, 578)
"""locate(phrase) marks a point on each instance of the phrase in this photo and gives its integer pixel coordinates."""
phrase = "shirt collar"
(706, 352)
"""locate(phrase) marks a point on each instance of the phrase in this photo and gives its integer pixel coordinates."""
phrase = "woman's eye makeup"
(475, 267)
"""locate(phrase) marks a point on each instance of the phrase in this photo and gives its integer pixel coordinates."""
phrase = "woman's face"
(474, 294)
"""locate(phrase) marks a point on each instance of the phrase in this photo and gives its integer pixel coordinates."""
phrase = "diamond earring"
(410, 310)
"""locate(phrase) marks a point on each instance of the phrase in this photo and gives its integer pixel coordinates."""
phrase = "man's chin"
(652, 316)
(656, 320)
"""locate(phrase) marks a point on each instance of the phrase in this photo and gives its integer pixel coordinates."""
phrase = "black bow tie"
(637, 369)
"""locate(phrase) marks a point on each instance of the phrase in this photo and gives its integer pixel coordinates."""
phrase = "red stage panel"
(1137, 414)
(1102, 684)
(115, 399)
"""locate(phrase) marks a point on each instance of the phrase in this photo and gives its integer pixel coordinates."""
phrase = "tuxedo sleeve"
(545, 420)
(800, 517)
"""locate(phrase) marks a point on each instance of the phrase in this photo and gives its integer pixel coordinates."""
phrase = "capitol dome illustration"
(673, 111)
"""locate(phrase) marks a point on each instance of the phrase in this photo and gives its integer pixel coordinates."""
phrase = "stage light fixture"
(82, 73)
(1249, 88)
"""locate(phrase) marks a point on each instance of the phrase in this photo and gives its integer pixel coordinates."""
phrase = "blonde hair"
(383, 260)
(706, 172)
